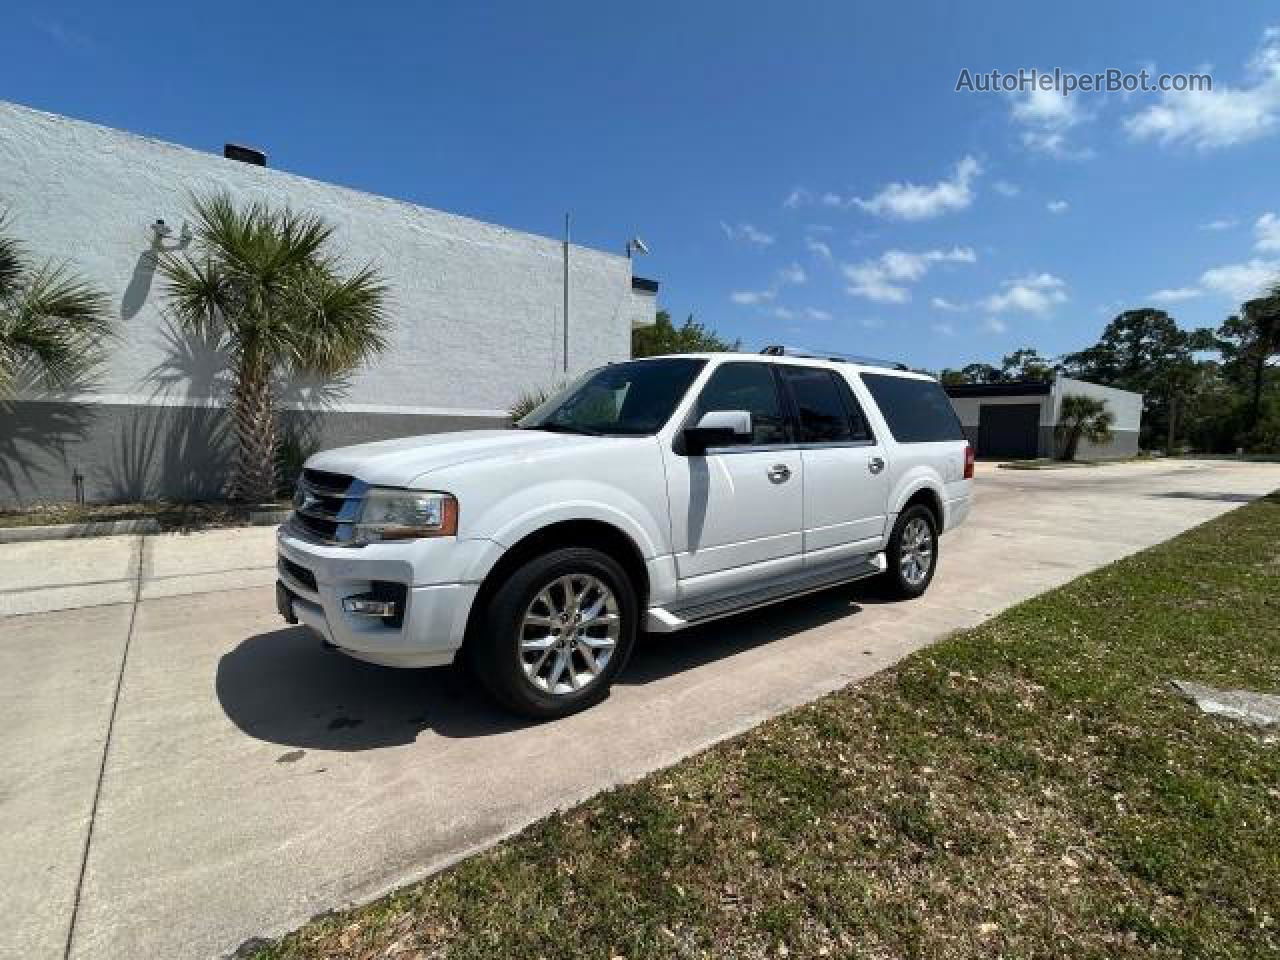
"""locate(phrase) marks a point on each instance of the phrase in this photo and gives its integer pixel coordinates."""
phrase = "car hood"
(402, 461)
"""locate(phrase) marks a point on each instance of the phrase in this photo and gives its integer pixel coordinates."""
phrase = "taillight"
(968, 461)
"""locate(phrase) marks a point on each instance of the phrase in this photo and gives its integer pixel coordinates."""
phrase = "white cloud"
(944, 329)
(784, 313)
(797, 197)
(1005, 188)
(994, 325)
(813, 313)
(818, 248)
(883, 279)
(793, 274)
(942, 303)
(1221, 117)
(746, 233)
(1046, 116)
(870, 281)
(872, 323)
(1045, 108)
(910, 201)
(832, 200)
(1267, 233)
(1174, 294)
(1224, 223)
(1241, 281)
(1036, 294)
(1057, 206)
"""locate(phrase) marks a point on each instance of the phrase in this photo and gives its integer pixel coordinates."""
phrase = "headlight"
(405, 515)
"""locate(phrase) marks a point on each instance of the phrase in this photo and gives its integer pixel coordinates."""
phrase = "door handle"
(875, 465)
(779, 473)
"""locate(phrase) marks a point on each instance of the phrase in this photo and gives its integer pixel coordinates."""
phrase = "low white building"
(1018, 421)
(477, 313)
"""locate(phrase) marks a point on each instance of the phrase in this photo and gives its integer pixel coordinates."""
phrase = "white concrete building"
(477, 314)
(1017, 421)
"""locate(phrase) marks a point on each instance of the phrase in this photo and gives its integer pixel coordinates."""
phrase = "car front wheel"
(556, 633)
(912, 553)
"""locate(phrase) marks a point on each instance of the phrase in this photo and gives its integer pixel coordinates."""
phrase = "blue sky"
(803, 173)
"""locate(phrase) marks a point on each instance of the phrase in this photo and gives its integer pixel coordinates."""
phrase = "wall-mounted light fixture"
(161, 232)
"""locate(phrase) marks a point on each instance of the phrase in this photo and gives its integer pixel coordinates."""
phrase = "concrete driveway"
(181, 771)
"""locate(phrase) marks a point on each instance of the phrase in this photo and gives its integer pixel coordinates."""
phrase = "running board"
(663, 620)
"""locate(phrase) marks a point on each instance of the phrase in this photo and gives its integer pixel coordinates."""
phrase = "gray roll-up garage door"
(1009, 430)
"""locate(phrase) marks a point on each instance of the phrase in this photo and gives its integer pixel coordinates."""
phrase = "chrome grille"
(326, 506)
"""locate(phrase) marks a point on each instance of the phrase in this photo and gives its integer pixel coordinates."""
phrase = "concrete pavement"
(252, 780)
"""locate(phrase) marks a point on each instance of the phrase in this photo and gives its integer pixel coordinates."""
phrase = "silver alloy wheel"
(916, 554)
(569, 634)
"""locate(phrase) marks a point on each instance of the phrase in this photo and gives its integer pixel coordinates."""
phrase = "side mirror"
(718, 428)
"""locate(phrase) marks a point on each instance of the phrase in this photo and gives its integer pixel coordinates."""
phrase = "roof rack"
(778, 350)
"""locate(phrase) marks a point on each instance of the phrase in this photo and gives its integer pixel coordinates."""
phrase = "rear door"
(846, 476)
(736, 511)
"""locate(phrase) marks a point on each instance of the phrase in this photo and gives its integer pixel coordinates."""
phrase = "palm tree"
(51, 322)
(1082, 417)
(265, 281)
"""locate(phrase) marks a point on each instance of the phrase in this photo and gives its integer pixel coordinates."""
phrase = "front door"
(736, 512)
(846, 475)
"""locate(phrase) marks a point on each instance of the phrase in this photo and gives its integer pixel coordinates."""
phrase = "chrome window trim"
(740, 448)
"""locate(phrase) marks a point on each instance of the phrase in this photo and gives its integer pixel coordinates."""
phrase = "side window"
(917, 410)
(750, 387)
(857, 420)
(823, 414)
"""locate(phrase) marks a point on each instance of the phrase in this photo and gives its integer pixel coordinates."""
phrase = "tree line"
(1210, 390)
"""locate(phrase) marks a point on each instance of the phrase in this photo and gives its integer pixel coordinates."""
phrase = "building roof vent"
(234, 151)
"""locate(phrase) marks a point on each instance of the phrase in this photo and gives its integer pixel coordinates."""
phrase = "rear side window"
(824, 414)
(749, 387)
(917, 411)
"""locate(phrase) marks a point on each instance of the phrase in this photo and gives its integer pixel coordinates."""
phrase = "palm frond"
(12, 259)
(200, 296)
(51, 325)
(340, 323)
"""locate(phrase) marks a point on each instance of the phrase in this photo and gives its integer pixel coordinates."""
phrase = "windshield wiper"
(565, 428)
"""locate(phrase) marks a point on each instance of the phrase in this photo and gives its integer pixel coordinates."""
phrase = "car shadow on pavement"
(283, 687)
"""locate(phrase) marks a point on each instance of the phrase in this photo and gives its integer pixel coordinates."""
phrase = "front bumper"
(314, 580)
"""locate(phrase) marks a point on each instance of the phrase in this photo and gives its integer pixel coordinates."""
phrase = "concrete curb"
(75, 531)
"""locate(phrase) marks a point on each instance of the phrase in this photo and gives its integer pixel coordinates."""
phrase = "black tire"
(894, 581)
(494, 649)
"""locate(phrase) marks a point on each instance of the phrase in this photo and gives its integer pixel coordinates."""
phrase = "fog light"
(367, 605)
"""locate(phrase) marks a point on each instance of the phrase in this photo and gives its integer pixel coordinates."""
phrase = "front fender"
(524, 513)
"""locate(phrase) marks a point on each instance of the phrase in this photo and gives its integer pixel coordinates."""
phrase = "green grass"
(1030, 788)
(171, 515)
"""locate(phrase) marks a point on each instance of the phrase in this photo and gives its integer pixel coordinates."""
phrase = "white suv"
(648, 495)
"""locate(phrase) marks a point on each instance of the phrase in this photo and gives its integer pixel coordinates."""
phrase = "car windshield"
(623, 399)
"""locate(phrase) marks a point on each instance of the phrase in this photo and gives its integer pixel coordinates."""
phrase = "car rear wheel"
(912, 553)
(556, 633)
